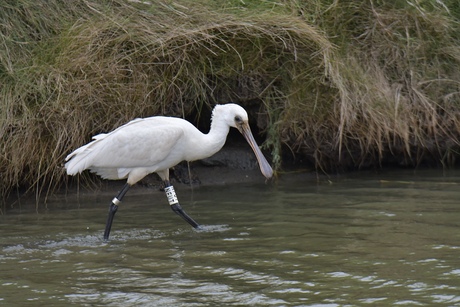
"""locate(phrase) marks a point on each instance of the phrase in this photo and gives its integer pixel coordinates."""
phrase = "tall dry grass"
(394, 85)
(341, 83)
(96, 66)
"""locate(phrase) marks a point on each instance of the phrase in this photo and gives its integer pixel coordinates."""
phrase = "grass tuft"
(343, 84)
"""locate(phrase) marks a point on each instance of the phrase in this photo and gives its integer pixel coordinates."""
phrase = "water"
(363, 239)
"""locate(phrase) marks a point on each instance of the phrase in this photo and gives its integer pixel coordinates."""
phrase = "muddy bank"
(235, 163)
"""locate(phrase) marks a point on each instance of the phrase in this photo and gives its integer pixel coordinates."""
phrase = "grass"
(342, 84)
(395, 81)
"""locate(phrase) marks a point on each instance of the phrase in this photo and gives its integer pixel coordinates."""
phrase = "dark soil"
(233, 164)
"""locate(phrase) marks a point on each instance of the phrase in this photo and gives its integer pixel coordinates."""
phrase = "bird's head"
(237, 117)
(233, 115)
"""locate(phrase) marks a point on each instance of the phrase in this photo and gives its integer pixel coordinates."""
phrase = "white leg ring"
(171, 194)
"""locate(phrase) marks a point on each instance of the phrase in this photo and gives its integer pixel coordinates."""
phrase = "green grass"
(342, 84)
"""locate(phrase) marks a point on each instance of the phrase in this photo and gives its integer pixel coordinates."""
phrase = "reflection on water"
(364, 239)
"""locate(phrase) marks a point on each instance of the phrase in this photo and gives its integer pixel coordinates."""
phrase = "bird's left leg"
(113, 209)
(176, 207)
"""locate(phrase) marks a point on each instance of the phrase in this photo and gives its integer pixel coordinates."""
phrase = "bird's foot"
(177, 208)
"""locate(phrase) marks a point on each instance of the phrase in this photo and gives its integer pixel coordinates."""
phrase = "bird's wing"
(139, 143)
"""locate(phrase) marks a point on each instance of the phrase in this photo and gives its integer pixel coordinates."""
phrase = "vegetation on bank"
(342, 84)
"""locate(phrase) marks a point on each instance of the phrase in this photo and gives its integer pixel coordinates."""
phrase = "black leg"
(176, 207)
(113, 209)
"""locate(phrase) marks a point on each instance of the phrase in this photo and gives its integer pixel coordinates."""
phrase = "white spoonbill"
(155, 144)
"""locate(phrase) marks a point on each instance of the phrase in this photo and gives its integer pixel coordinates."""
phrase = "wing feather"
(139, 143)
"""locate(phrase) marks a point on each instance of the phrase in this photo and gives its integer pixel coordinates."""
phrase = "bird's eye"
(238, 119)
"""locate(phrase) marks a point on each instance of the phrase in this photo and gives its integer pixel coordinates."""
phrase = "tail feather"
(76, 161)
(80, 158)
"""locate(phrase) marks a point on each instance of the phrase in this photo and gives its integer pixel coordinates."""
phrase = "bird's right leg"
(113, 209)
(176, 207)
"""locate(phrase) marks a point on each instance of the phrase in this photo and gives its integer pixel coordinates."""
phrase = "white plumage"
(155, 144)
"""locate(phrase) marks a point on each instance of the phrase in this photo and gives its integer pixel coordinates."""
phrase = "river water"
(364, 239)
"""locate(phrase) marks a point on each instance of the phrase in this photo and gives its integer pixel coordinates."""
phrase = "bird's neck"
(217, 134)
(205, 145)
